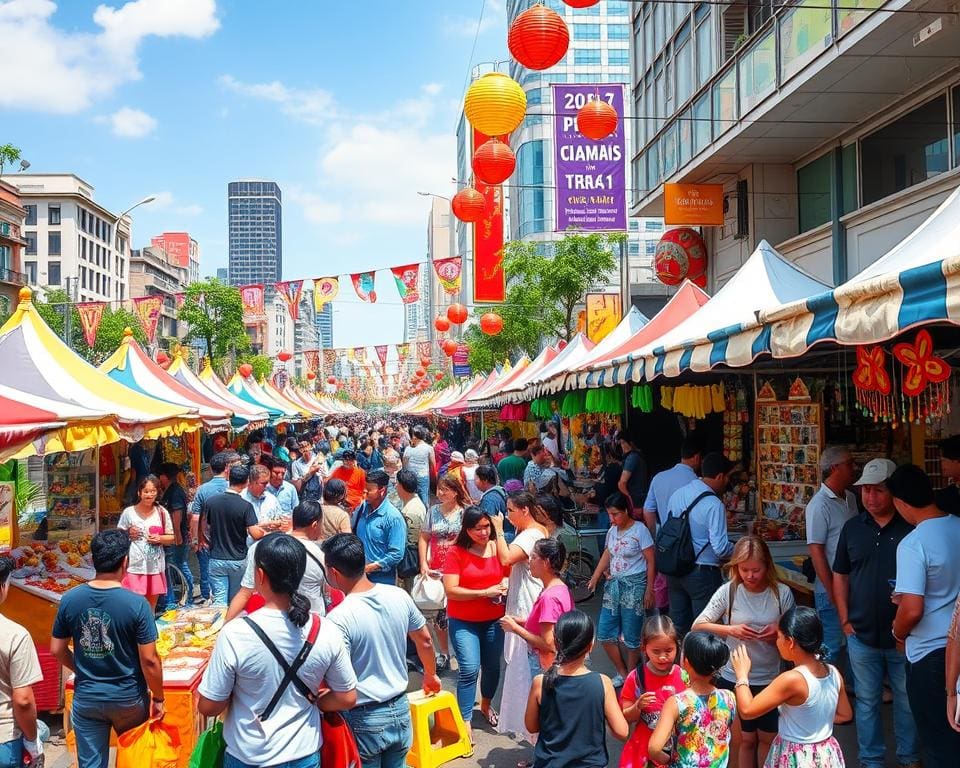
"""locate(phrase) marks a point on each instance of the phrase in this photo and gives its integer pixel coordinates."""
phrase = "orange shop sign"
(693, 204)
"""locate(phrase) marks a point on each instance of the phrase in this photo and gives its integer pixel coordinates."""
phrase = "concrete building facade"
(12, 277)
(154, 273)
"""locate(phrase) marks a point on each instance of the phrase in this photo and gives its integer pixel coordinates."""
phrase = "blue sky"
(350, 106)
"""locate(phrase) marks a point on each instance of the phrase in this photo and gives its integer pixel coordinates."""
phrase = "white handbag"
(428, 593)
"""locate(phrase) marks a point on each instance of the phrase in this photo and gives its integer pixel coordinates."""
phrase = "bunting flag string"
(403, 352)
(449, 273)
(325, 290)
(424, 352)
(180, 298)
(360, 354)
(312, 357)
(329, 360)
(407, 278)
(363, 284)
(147, 309)
(290, 291)
(91, 313)
(382, 355)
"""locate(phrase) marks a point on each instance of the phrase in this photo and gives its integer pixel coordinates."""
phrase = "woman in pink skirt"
(150, 529)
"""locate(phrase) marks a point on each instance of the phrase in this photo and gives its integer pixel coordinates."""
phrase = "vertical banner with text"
(590, 175)
(489, 282)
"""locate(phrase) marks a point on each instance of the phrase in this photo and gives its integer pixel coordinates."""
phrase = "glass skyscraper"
(256, 231)
(324, 323)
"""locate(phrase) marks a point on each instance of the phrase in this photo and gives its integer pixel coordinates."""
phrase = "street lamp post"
(116, 224)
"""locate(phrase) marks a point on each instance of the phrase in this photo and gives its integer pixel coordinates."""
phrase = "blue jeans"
(423, 490)
(310, 761)
(383, 732)
(225, 576)
(477, 645)
(11, 754)
(177, 555)
(92, 721)
(868, 665)
(203, 565)
(533, 659)
(832, 634)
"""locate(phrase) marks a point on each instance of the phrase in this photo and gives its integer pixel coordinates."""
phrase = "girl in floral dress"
(698, 720)
(655, 679)
(811, 696)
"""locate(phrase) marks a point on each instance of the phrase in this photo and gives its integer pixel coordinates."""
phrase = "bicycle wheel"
(178, 582)
(577, 576)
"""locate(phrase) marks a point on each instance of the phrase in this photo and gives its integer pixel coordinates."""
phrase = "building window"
(53, 215)
(813, 189)
(532, 209)
(906, 152)
(586, 31)
(6, 257)
(724, 102)
(757, 72)
(593, 10)
(31, 238)
(53, 243)
(83, 277)
(618, 31)
(653, 225)
(618, 57)
(805, 32)
(701, 123)
(585, 56)
(31, 268)
(31, 220)
(617, 8)
(53, 273)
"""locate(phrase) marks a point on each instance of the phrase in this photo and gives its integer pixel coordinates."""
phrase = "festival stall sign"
(603, 313)
(252, 297)
(509, 389)
(693, 205)
(38, 362)
(572, 355)
(244, 414)
(489, 279)
(131, 366)
(461, 361)
(591, 189)
(238, 391)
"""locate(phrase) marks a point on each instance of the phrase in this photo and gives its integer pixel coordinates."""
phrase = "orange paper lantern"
(425, 362)
(438, 376)
(468, 205)
(419, 373)
(449, 347)
(491, 323)
(596, 119)
(311, 375)
(538, 38)
(331, 379)
(493, 162)
(495, 104)
(245, 370)
(441, 324)
(162, 357)
(457, 314)
(284, 356)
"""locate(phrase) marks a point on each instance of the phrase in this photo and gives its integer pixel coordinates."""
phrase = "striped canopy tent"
(131, 366)
(570, 357)
(211, 380)
(726, 330)
(484, 400)
(449, 395)
(601, 353)
(245, 415)
(915, 283)
(246, 388)
(38, 362)
(300, 398)
(511, 389)
(275, 394)
(455, 407)
(464, 403)
(623, 364)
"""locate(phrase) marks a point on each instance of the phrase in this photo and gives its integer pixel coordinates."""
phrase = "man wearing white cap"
(471, 460)
(455, 467)
(863, 570)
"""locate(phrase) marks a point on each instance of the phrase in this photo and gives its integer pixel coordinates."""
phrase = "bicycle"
(578, 570)
(178, 582)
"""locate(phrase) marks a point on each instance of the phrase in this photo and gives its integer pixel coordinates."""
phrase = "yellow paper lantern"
(495, 104)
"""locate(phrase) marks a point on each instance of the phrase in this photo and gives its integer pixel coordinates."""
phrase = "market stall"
(245, 415)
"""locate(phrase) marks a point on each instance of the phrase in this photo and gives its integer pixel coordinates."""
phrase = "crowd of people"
(346, 557)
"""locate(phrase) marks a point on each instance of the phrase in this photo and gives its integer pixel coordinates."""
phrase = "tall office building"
(441, 244)
(255, 231)
(834, 129)
(324, 322)
(223, 274)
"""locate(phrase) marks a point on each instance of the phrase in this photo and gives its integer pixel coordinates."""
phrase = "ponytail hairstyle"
(573, 636)
(705, 653)
(283, 561)
(621, 501)
(553, 552)
(803, 626)
(547, 511)
(656, 626)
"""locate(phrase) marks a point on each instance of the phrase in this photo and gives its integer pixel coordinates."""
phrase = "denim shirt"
(383, 532)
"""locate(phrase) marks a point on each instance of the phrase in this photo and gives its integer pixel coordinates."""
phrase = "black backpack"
(674, 546)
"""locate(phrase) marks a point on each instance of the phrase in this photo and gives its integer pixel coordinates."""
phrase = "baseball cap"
(471, 454)
(950, 447)
(456, 456)
(876, 472)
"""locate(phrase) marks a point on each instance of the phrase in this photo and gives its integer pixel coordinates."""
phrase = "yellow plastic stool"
(448, 729)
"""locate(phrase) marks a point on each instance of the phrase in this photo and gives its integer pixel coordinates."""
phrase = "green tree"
(109, 333)
(544, 290)
(262, 365)
(9, 155)
(213, 312)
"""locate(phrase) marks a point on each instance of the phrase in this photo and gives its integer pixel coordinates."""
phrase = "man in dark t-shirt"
(114, 656)
(948, 498)
(634, 475)
(174, 500)
(229, 519)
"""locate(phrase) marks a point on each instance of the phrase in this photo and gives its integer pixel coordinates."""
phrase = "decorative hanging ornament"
(457, 314)
(245, 370)
(596, 119)
(438, 376)
(283, 356)
(449, 347)
(441, 324)
(873, 385)
(926, 380)
(419, 373)
(538, 38)
(493, 162)
(162, 357)
(495, 104)
(681, 255)
(468, 205)
(491, 323)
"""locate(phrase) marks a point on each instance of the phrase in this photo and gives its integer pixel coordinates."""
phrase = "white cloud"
(314, 106)
(167, 201)
(315, 208)
(65, 71)
(494, 17)
(131, 123)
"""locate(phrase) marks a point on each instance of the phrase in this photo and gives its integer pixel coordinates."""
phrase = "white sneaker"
(617, 681)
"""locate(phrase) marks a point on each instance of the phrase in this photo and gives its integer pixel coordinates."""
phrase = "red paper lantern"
(596, 119)
(438, 376)
(441, 324)
(681, 255)
(468, 205)
(538, 38)
(491, 323)
(449, 347)
(419, 373)
(331, 380)
(581, 3)
(284, 356)
(311, 375)
(162, 357)
(457, 314)
(494, 161)
(245, 370)
(425, 362)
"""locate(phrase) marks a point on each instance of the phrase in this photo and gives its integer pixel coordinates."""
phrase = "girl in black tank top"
(569, 705)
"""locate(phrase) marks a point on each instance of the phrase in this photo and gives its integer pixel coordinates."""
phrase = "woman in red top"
(476, 587)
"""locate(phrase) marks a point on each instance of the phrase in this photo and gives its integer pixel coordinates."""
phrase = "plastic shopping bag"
(151, 745)
(428, 594)
(210, 748)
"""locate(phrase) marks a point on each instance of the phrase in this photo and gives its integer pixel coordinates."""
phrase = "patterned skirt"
(790, 754)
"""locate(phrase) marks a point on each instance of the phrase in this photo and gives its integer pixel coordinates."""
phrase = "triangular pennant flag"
(329, 360)
(382, 355)
(290, 291)
(423, 350)
(312, 357)
(325, 290)
(363, 284)
(403, 352)
(252, 298)
(180, 298)
(360, 354)
(147, 309)
(450, 274)
(407, 278)
(91, 312)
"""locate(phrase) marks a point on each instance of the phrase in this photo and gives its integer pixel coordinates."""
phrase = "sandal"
(493, 718)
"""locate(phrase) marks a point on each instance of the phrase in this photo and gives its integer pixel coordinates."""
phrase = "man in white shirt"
(282, 489)
(668, 482)
(375, 621)
(826, 514)
(264, 504)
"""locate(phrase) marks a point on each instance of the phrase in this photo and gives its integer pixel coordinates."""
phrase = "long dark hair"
(660, 625)
(283, 561)
(573, 635)
(803, 626)
(471, 516)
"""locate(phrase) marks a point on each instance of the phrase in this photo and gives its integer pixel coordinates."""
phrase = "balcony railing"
(9, 276)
